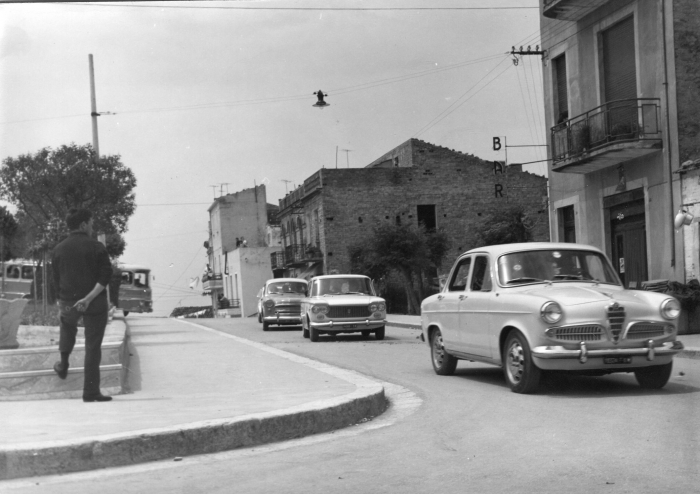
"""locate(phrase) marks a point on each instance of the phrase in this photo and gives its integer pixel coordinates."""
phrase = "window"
(561, 89)
(461, 273)
(13, 272)
(567, 224)
(481, 278)
(27, 272)
(619, 76)
(426, 216)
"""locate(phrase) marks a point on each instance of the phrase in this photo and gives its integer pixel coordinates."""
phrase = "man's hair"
(77, 216)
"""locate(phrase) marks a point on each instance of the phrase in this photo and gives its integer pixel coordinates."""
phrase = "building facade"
(241, 225)
(621, 108)
(415, 183)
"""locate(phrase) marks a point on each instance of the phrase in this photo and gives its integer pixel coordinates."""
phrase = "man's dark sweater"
(80, 262)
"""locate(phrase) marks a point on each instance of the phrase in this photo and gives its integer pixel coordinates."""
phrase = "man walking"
(81, 271)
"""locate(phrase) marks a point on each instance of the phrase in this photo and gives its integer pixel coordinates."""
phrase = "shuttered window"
(561, 92)
(619, 68)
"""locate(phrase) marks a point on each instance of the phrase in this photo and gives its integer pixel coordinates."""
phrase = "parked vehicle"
(537, 307)
(342, 304)
(135, 290)
(17, 279)
(280, 302)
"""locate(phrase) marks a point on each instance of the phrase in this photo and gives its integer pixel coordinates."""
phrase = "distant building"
(241, 227)
(417, 182)
(622, 105)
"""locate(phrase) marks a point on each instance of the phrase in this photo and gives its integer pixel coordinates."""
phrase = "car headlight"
(269, 304)
(319, 309)
(670, 308)
(378, 307)
(551, 312)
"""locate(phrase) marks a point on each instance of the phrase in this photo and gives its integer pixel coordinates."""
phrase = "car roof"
(336, 276)
(283, 280)
(498, 250)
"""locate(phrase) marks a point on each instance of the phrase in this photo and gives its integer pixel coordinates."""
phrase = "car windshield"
(555, 266)
(287, 287)
(340, 286)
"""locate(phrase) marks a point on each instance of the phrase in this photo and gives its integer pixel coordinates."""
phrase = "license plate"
(350, 326)
(617, 360)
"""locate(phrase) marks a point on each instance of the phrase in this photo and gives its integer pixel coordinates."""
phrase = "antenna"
(285, 185)
(221, 188)
(347, 156)
(214, 189)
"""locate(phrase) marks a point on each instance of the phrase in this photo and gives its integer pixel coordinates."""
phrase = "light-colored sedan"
(537, 307)
(280, 302)
(343, 304)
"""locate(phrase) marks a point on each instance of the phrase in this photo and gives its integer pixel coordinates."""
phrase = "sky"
(209, 98)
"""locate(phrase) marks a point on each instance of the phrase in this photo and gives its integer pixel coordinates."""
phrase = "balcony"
(212, 283)
(277, 260)
(310, 185)
(609, 135)
(570, 10)
(298, 255)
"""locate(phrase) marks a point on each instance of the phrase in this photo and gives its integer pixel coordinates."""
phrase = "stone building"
(243, 232)
(622, 105)
(416, 182)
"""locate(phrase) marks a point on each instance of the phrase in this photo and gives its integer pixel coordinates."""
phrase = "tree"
(8, 229)
(410, 251)
(46, 185)
(505, 227)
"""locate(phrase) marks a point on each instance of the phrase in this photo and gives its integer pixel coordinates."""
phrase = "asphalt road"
(462, 433)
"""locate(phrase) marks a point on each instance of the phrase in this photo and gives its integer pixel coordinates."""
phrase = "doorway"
(629, 239)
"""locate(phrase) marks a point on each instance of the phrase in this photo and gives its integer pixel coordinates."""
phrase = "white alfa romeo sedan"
(343, 303)
(535, 307)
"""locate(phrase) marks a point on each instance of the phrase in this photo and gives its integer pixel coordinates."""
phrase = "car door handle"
(462, 297)
(440, 297)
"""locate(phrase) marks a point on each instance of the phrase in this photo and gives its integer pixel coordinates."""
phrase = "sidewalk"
(194, 391)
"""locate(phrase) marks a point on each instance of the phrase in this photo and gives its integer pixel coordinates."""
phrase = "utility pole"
(93, 113)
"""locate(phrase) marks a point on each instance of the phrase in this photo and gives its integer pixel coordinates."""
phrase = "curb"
(204, 437)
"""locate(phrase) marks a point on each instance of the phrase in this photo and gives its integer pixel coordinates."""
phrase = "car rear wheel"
(379, 333)
(444, 364)
(522, 375)
(313, 334)
(654, 377)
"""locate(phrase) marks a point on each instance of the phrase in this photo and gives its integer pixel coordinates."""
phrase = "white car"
(535, 307)
(342, 304)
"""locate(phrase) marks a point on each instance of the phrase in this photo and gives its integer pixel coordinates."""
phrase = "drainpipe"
(668, 136)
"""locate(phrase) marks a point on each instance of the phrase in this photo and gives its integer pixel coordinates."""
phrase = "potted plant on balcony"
(623, 131)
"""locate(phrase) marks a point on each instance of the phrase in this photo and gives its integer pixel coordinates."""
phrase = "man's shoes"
(59, 369)
(100, 397)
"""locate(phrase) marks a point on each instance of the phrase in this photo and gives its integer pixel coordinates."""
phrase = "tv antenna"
(221, 188)
(347, 155)
(285, 185)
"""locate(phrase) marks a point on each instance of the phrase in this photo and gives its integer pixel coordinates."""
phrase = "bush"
(33, 315)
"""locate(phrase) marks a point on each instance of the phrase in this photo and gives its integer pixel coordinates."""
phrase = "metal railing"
(277, 260)
(615, 121)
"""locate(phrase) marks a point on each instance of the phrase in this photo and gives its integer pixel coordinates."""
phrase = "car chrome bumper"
(344, 325)
(283, 319)
(582, 354)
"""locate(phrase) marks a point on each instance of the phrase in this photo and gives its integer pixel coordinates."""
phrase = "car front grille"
(589, 332)
(616, 318)
(288, 309)
(645, 330)
(349, 311)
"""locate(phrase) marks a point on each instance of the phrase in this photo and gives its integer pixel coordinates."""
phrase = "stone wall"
(463, 189)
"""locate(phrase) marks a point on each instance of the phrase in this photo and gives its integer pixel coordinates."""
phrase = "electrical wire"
(325, 9)
(181, 274)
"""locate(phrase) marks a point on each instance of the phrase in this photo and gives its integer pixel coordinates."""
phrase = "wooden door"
(629, 245)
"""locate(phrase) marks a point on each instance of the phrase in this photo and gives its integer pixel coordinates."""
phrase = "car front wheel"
(654, 377)
(444, 364)
(266, 326)
(313, 334)
(522, 375)
(379, 333)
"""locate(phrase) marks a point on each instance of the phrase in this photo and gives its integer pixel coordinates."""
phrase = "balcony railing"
(295, 255)
(311, 184)
(570, 10)
(277, 260)
(627, 128)
(213, 282)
